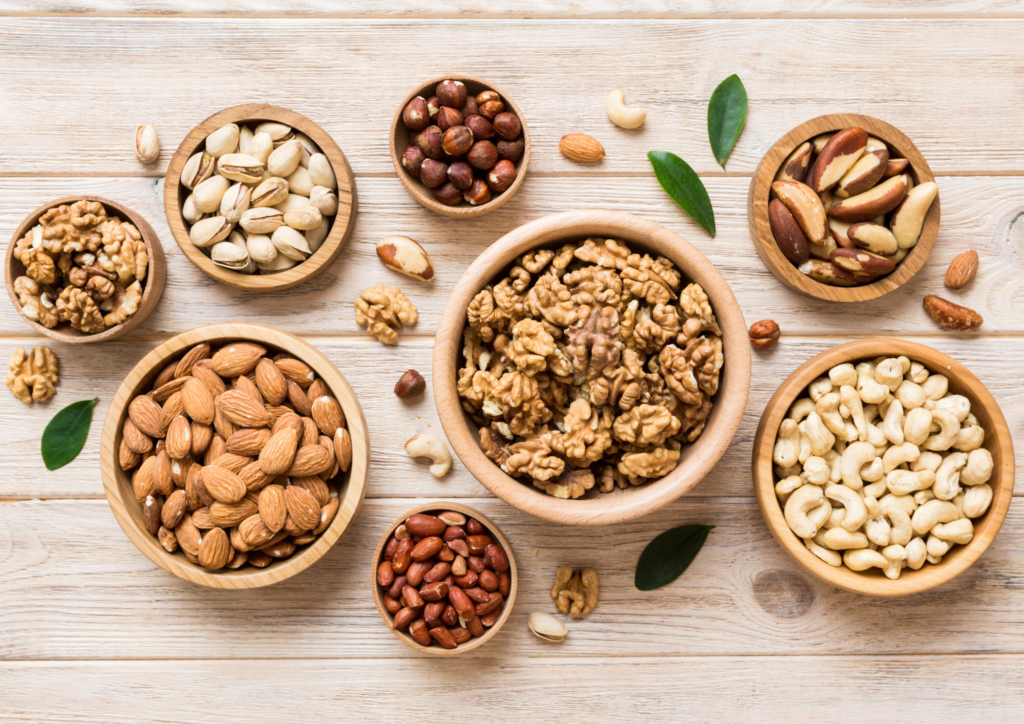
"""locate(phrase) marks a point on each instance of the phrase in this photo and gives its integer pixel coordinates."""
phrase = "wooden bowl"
(175, 194)
(440, 507)
(697, 458)
(118, 485)
(153, 286)
(997, 440)
(400, 142)
(764, 240)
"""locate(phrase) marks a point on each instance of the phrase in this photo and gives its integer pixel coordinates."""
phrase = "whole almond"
(213, 382)
(298, 399)
(243, 410)
(151, 513)
(259, 559)
(189, 537)
(184, 368)
(237, 358)
(311, 460)
(952, 316)
(327, 514)
(962, 269)
(271, 382)
(136, 440)
(298, 372)
(237, 560)
(167, 539)
(223, 484)
(302, 507)
(314, 485)
(202, 519)
(289, 419)
(126, 457)
(165, 376)
(215, 550)
(254, 477)
(162, 479)
(202, 434)
(179, 437)
(248, 441)
(164, 391)
(228, 515)
(147, 416)
(272, 507)
(581, 147)
(317, 389)
(254, 531)
(173, 509)
(310, 433)
(244, 384)
(327, 414)
(224, 427)
(343, 449)
(197, 400)
(279, 453)
(231, 461)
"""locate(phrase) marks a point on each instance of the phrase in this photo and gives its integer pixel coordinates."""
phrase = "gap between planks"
(535, 16)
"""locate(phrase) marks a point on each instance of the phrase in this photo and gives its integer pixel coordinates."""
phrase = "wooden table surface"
(90, 630)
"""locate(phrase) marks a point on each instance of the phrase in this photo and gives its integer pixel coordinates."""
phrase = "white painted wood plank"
(971, 208)
(940, 82)
(72, 586)
(373, 370)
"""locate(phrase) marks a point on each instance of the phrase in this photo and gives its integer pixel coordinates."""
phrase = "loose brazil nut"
(806, 207)
(405, 256)
(864, 174)
(873, 237)
(840, 233)
(788, 234)
(862, 262)
(877, 201)
(827, 273)
(908, 218)
(952, 316)
(895, 166)
(836, 158)
(795, 167)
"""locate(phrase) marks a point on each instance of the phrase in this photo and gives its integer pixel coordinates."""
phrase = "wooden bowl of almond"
(234, 455)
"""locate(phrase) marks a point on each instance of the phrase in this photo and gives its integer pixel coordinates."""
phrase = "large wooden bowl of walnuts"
(591, 367)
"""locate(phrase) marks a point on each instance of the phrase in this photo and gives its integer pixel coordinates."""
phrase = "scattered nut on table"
(575, 592)
(147, 143)
(951, 315)
(581, 147)
(544, 625)
(411, 383)
(962, 269)
(405, 256)
(383, 310)
(764, 334)
(432, 447)
(869, 466)
(622, 115)
(32, 376)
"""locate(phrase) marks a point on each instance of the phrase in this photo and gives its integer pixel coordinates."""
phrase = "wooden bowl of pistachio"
(260, 197)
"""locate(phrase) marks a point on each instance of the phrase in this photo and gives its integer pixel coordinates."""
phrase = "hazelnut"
(480, 126)
(415, 115)
(764, 334)
(460, 174)
(448, 117)
(487, 95)
(482, 155)
(450, 159)
(448, 194)
(433, 106)
(490, 109)
(471, 107)
(457, 140)
(478, 194)
(429, 141)
(410, 383)
(511, 150)
(412, 159)
(433, 173)
(501, 176)
(507, 126)
(451, 93)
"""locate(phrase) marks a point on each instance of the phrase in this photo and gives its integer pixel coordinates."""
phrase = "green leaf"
(65, 436)
(667, 556)
(727, 112)
(684, 186)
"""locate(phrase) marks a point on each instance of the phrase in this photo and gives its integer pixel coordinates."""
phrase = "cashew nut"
(870, 391)
(828, 409)
(957, 404)
(820, 515)
(873, 472)
(902, 530)
(819, 388)
(918, 373)
(935, 387)
(877, 438)
(835, 518)
(894, 555)
(621, 115)
(928, 461)
(800, 502)
(878, 530)
(937, 547)
(830, 557)
(949, 429)
(801, 409)
(861, 560)
(910, 394)
(816, 470)
(889, 373)
(785, 487)
(821, 438)
(932, 513)
(978, 469)
(916, 553)
(905, 482)
(852, 401)
(871, 413)
(923, 496)
(892, 426)
(970, 437)
(976, 500)
(958, 531)
(855, 456)
(785, 472)
(787, 447)
(895, 456)
(429, 446)
(947, 477)
(843, 374)
(856, 513)
(877, 488)
(906, 502)
(839, 539)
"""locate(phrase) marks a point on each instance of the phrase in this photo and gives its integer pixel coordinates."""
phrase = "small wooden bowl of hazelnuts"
(460, 146)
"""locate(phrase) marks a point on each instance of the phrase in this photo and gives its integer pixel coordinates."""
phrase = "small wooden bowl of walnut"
(533, 381)
(234, 455)
(84, 269)
(901, 494)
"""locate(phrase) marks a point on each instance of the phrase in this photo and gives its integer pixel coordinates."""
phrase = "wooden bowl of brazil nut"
(22, 283)
(310, 247)
(986, 477)
(338, 490)
(464, 616)
(489, 193)
(669, 464)
(844, 259)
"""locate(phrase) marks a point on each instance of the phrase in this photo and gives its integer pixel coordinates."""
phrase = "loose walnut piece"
(32, 376)
(575, 592)
(383, 310)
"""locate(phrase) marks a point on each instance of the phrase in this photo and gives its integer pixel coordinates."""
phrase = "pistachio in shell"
(544, 625)
(223, 141)
(291, 243)
(209, 231)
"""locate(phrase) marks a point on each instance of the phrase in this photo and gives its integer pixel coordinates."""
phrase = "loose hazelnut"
(412, 159)
(457, 140)
(460, 174)
(501, 176)
(480, 126)
(415, 115)
(482, 155)
(410, 383)
(471, 107)
(451, 93)
(507, 126)
(433, 106)
(487, 95)
(429, 140)
(448, 194)
(490, 109)
(511, 150)
(448, 117)
(478, 194)
(433, 173)
(764, 334)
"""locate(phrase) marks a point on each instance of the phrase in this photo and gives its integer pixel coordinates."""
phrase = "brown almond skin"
(836, 154)
(960, 272)
(788, 234)
(861, 262)
(795, 167)
(423, 525)
(952, 316)
(875, 202)
(764, 334)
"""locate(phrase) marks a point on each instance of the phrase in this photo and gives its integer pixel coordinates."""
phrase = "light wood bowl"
(118, 485)
(997, 441)
(400, 142)
(175, 194)
(764, 240)
(378, 598)
(152, 288)
(697, 458)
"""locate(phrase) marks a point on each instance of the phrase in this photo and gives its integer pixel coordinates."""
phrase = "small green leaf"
(667, 556)
(684, 186)
(727, 112)
(65, 435)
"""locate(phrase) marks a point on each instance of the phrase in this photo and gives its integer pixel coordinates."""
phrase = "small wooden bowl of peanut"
(234, 455)
(883, 467)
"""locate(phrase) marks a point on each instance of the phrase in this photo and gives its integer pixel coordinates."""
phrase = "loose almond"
(271, 382)
(311, 460)
(298, 372)
(228, 515)
(279, 452)
(223, 484)
(962, 269)
(327, 414)
(272, 507)
(243, 410)
(147, 416)
(581, 147)
(215, 550)
(179, 437)
(302, 507)
(136, 440)
(237, 358)
(184, 368)
(197, 401)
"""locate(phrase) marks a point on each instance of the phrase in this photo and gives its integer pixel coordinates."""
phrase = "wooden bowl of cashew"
(997, 441)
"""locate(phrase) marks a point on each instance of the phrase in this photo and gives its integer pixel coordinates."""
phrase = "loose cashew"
(905, 482)
(621, 115)
(906, 502)
(843, 374)
(852, 401)
(957, 404)
(429, 446)
(835, 518)
(873, 472)
(918, 373)
(816, 470)
(892, 426)
(910, 394)
(801, 409)
(976, 500)
(877, 488)
(958, 531)
(877, 438)
(802, 501)
(839, 539)
(819, 388)
(805, 444)
(828, 409)
(861, 560)
(787, 447)
(830, 557)
(878, 530)
(871, 413)
(970, 437)
(928, 461)
(894, 555)
(895, 456)
(902, 530)
(856, 513)
(917, 551)
(935, 387)
(785, 487)
(949, 429)
(820, 515)
(870, 391)
(889, 373)
(947, 477)
(855, 456)
(932, 513)
(904, 363)
(937, 547)
(978, 469)
(785, 472)
(820, 436)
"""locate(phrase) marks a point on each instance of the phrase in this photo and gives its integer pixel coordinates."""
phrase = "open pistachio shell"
(189, 212)
(308, 148)
(209, 231)
(278, 132)
(324, 200)
(315, 237)
(245, 136)
(301, 183)
(303, 218)
(207, 195)
(545, 626)
(230, 256)
(292, 201)
(235, 202)
(261, 249)
(291, 243)
(262, 146)
(198, 168)
(223, 141)
(270, 193)
(285, 158)
(240, 167)
(320, 171)
(264, 220)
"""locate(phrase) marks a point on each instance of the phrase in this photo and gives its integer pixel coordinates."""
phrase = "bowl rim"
(698, 458)
(872, 582)
(420, 192)
(493, 529)
(153, 289)
(126, 509)
(764, 240)
(341, 227)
